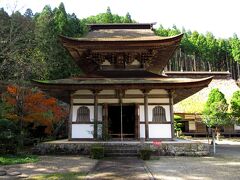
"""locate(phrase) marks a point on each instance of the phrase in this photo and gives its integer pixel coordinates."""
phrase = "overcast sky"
(221, 17)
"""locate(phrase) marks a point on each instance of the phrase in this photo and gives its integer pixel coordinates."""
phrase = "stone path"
(120, 168)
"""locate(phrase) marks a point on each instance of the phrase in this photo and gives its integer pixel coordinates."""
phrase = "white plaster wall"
(82, 131)
(83, 101)
(236, 127)
(158, 100)
(160, 131)
(108, 101)
(150, 108)
(134, 91)
(107, 92)
(133, 100)
(83, 92)
(91, 109)
(142, 130)
(158, 91)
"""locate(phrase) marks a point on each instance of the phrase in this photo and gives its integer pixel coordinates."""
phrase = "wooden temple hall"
(123, 94)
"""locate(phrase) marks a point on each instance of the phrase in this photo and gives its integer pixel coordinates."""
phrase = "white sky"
(221, 17)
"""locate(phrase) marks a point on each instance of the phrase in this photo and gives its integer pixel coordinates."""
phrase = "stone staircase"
(116, 150)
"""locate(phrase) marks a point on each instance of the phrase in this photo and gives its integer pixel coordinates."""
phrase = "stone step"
(120, 154)
(121, 151)
(122, 147)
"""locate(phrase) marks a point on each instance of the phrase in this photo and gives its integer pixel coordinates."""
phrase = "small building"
(123, 94)
(190, 109)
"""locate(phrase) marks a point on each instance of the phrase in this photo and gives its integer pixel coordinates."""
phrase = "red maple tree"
(33, 106)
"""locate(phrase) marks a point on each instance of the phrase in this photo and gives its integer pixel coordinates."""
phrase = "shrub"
(97, 152)
(146, 153)
(8, 137)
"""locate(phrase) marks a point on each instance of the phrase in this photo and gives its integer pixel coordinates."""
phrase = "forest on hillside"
(30, 48)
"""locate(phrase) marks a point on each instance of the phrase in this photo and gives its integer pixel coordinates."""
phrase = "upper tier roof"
(119, 45)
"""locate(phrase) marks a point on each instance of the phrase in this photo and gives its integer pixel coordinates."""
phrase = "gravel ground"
(225, 165)
(51, 164)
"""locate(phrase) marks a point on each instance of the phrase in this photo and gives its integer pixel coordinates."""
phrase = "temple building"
(123, 94)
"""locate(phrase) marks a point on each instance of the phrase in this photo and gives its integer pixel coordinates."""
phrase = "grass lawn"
(17, 159)
(62, 176)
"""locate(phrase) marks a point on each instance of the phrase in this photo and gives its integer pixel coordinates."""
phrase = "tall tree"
(49, 25)
(215, 112)
(235, 106)
(128, 18)
(16, 47)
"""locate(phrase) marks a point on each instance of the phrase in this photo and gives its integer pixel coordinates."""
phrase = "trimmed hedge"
(146, 153)
(97, 152)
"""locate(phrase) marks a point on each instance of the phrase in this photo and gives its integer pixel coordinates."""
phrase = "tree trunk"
(209, 67)
(217, 134)
(214, 143)
(185, 61)
(237, 71)
(194, 62)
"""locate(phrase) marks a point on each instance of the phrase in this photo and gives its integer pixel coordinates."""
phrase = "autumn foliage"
(33, 106)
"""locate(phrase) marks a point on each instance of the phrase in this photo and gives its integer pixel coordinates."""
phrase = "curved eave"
(181, 90)
(92, 83)
(95, 41)
(164, 47)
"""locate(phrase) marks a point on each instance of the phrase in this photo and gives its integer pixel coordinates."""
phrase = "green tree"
(128, 18)
(235, 106)
(108, 17)
(215, 112)
(16, 47)
(235, 47)
(49, 25)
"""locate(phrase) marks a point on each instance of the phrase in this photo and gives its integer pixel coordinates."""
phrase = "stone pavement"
(120, 168)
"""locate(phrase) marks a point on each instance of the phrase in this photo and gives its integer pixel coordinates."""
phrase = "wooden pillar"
(171, 113)
(137, 122)
(145, 92)
(95, 131)
(70, 118)
(105, 122)
(120, 94)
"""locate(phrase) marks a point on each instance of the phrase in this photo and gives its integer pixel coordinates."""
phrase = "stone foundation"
(170, 148)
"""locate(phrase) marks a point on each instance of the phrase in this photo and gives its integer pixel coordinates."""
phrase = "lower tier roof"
(181, 87)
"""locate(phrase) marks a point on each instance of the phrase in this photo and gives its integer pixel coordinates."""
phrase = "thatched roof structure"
(195, 103)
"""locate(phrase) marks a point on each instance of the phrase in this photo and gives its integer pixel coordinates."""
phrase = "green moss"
(17, 159)
(62, 176)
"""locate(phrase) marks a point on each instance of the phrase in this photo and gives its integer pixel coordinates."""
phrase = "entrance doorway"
(124, 128)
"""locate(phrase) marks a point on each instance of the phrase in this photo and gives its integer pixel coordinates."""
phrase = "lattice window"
(83, 114)
(159, 114)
